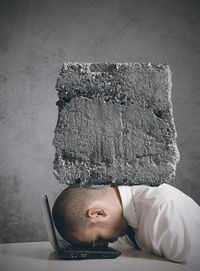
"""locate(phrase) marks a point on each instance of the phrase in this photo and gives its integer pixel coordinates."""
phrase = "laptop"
(67, 251)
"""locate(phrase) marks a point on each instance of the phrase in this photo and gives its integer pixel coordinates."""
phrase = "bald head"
(89, 215)
(69, 210)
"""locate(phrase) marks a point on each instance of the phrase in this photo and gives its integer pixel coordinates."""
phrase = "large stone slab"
(115, 125)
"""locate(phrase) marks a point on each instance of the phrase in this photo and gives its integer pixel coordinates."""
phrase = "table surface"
(39, 256)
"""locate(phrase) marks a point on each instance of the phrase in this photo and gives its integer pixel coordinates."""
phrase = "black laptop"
(66, 250)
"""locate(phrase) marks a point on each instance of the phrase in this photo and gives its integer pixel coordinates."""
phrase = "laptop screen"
(49, 223)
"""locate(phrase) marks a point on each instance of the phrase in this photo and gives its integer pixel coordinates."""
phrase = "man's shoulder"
(156, 196)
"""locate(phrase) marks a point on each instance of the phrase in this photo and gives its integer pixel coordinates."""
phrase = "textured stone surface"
(115, 124)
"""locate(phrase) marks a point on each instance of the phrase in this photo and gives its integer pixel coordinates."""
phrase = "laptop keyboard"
(67, 246)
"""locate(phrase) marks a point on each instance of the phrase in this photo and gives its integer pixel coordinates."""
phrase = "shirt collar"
(128, 206)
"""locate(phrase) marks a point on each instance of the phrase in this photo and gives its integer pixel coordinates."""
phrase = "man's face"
(101, 233)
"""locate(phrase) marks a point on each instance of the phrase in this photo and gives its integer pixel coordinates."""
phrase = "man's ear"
(96, 214)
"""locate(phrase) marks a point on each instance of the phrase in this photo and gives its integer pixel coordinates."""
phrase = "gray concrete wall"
(36, 37)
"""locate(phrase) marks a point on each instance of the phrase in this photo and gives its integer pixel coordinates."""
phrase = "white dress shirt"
(166, 221)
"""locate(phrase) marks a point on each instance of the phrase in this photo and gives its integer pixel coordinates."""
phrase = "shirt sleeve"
(168, 232)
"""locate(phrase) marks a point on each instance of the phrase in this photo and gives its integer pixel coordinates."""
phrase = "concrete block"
(115, 125)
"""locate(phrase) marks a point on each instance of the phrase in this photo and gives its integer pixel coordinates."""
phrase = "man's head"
(88, 215)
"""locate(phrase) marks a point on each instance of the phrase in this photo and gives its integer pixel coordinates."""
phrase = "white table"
(39, 256)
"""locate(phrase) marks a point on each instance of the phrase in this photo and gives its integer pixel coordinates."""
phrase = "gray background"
(36, 37)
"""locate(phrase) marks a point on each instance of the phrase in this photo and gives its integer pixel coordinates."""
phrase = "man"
(165, 220)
